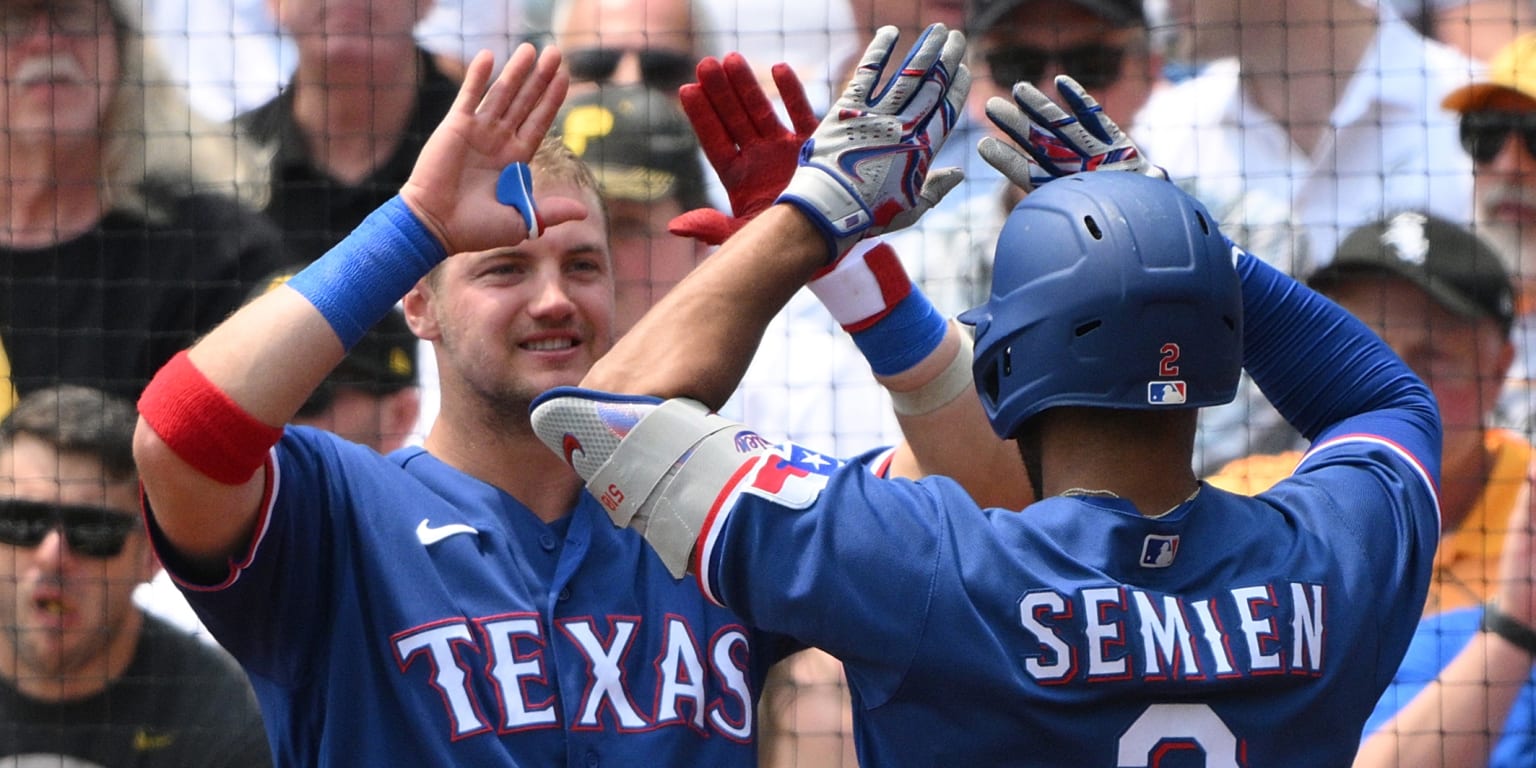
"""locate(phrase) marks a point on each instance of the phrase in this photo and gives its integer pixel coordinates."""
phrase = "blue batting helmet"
(1112, 290)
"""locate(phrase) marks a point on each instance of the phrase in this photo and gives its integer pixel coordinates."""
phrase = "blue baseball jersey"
(396, 611)
(1440, 639)
(1229, 631)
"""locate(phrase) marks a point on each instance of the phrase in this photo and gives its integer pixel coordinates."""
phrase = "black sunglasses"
(659, 68)
(1093, 66)
(90, 531)
(1483, 133)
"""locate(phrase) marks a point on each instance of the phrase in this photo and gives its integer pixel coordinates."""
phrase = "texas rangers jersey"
(395, 611)
(1079, 632)
(1227, 631)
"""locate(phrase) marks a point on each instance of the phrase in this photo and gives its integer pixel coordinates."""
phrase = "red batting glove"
(751, 151)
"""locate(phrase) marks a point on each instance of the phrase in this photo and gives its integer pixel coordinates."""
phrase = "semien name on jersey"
(1104, 634)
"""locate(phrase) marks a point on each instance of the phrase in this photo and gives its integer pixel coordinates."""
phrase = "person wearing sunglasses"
(1104, 43)
(1497, 116)
(85, 675)
(628, 42)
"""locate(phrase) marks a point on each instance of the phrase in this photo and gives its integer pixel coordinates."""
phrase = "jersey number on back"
(1166, 728)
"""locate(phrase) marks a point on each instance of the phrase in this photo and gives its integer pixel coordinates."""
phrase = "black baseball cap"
(638, 143)
(981, 15)
(1458, 269)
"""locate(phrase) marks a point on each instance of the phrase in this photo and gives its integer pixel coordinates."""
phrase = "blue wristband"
(910, 332)
(359, 280)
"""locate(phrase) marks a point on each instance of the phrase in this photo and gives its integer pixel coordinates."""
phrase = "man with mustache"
(113, 255)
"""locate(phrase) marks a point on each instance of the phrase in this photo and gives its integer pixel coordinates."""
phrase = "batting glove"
(751, 151)
(1055, 143)
(865, 169)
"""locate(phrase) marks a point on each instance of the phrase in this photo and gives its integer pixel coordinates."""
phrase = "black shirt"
(108, 308)
(180, 703)
(315, 211)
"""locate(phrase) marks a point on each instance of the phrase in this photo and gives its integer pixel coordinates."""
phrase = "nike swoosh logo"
(430, 535)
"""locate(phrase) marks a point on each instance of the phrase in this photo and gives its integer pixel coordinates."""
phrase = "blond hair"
(154, 142)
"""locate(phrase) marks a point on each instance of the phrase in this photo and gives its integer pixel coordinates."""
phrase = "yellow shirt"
(1467, 561)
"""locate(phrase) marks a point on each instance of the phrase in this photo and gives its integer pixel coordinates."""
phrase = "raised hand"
(1055, 142)
(865, 170)
(751, 151)
(463, 186)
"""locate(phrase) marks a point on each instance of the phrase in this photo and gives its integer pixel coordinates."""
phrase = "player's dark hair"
(76, 419)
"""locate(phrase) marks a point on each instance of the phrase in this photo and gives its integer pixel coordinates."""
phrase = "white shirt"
(1391, 147)
(815, 37)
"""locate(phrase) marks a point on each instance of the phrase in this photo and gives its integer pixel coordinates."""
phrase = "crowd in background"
(162, 162)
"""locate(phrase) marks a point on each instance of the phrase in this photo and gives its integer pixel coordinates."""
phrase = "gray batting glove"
(1052, 142)
(865, 169)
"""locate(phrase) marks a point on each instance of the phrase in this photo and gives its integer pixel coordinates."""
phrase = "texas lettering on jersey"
(689, 684)
(1112, 633)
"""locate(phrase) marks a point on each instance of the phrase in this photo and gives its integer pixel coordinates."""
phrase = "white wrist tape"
(942, 390)
(863, 286)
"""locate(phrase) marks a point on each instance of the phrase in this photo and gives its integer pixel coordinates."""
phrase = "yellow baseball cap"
(1513, 69)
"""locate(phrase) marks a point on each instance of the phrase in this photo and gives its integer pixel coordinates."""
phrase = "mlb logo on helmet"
(1158, 551)
(1165, 392)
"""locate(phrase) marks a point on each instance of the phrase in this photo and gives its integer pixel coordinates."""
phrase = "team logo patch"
(791, 475)
(1166, 392)
(1159, 551)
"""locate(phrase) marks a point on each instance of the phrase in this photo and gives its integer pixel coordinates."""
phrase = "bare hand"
(491, 125)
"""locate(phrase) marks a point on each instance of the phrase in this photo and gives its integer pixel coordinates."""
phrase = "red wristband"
(203, 426)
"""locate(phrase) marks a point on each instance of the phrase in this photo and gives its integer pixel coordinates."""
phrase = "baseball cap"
(382, 362)
(1458, 269)
(638, 143)
(981, 15)
(1513, 69)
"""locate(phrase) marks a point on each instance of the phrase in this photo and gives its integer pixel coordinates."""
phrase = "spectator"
(346, 129)
(1440, 297)
(1496, 113)
(1104, 44)
(86, 678)
(623, 42)
(232, 57)
(122, 240)
(638, 144)
(1294, 138)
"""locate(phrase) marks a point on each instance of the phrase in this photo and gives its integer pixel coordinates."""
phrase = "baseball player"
(1133, 616)
(462, 603)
